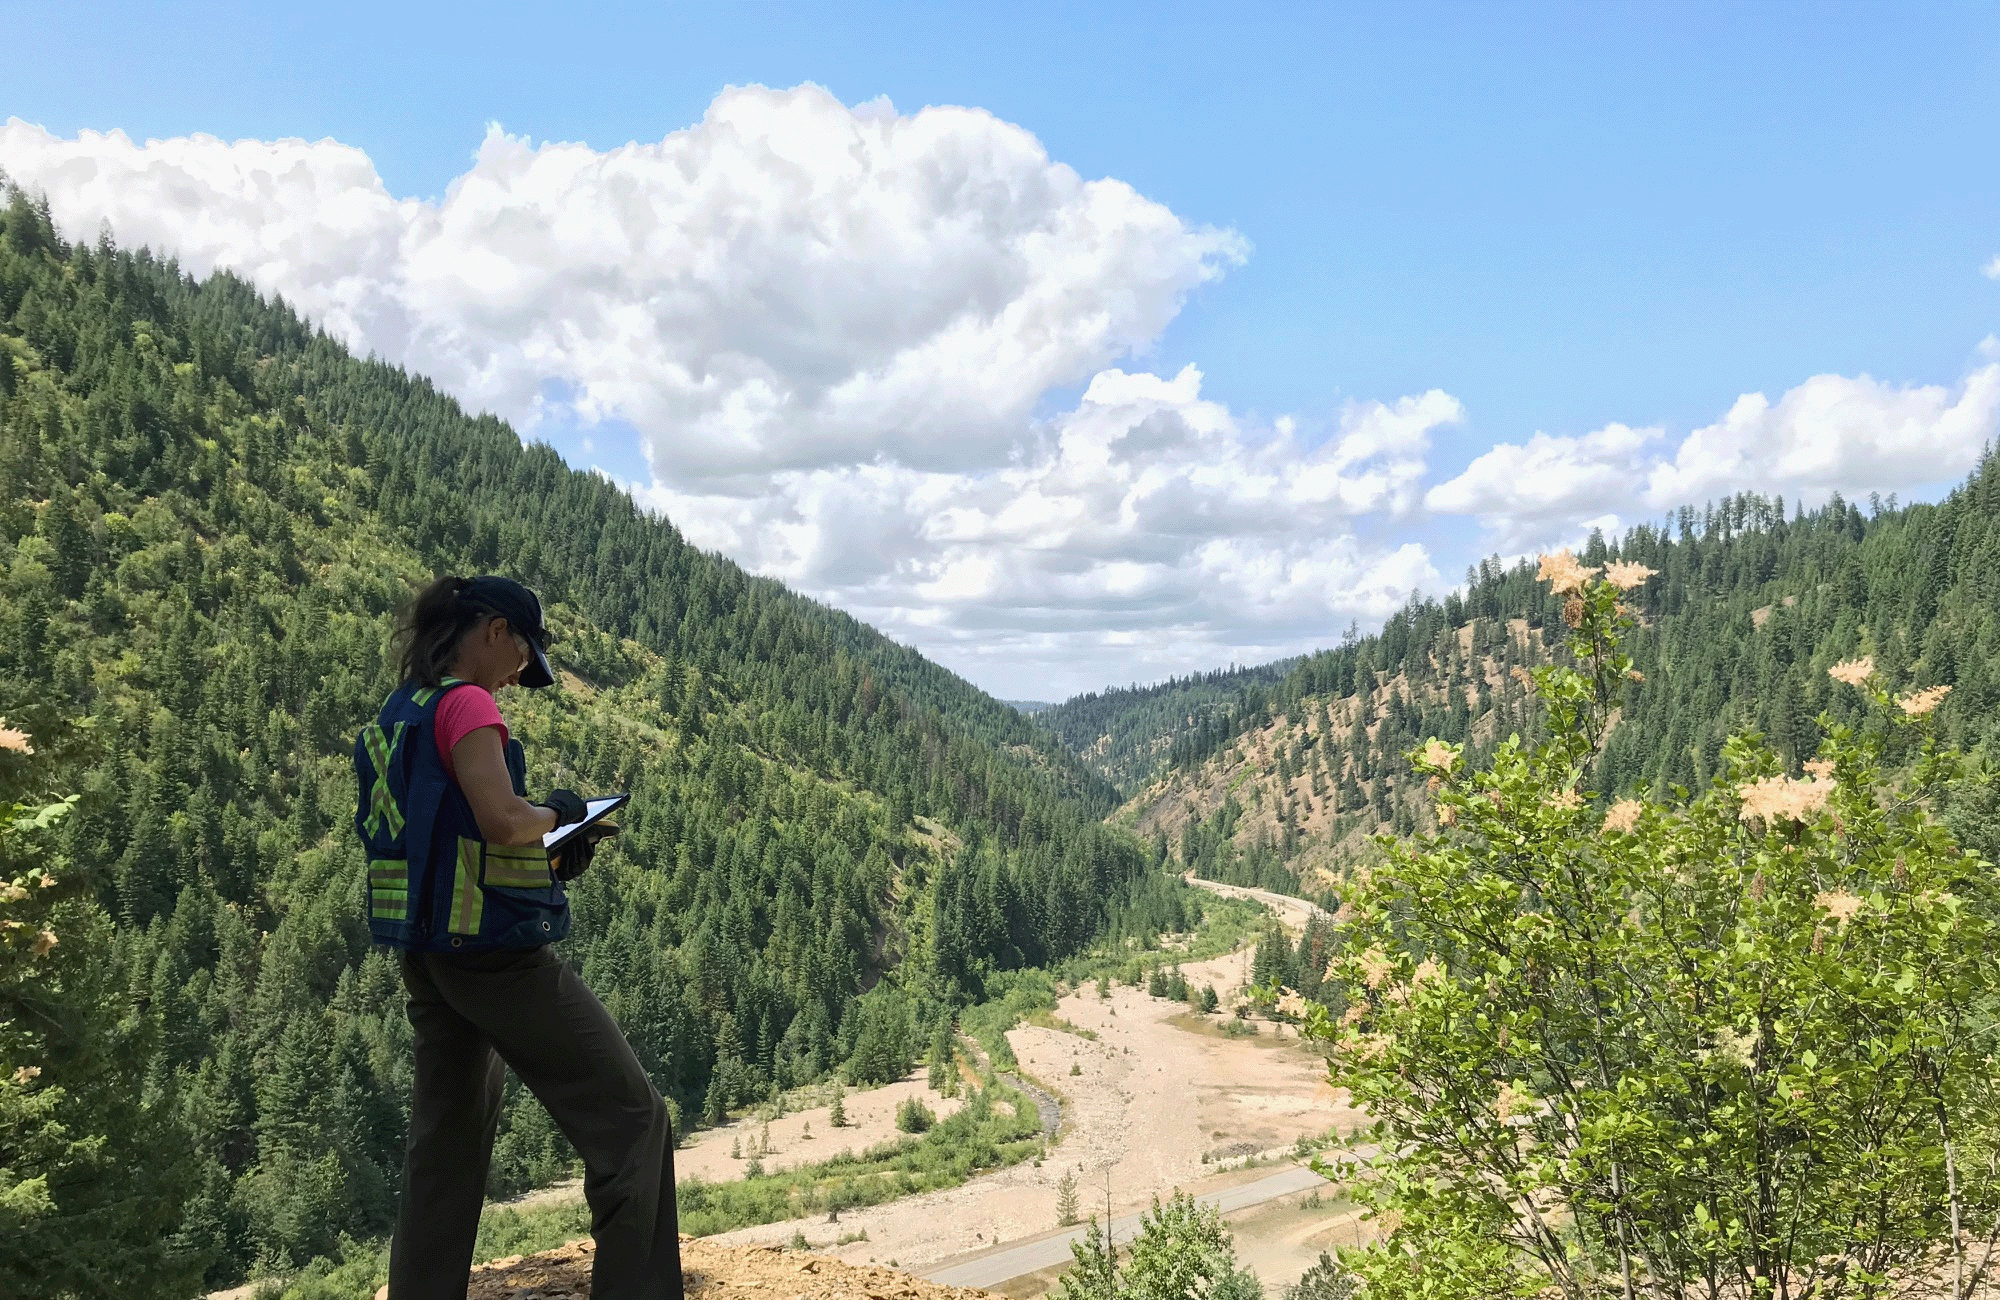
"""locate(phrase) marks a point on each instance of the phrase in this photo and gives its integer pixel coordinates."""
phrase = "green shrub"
(1735, 1044)
(914, 1117)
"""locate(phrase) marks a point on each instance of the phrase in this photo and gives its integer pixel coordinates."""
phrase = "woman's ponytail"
(429, 629)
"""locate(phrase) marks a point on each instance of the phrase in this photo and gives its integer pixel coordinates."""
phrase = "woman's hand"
(503, 816)
(567, 805)
(575, 857)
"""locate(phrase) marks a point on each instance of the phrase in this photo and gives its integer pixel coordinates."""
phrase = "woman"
(459, 882)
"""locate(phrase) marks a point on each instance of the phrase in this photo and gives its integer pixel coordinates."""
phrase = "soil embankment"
(713, 1272)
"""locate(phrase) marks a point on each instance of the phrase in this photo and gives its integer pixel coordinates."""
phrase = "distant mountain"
(1282, 783)
(1129, 734)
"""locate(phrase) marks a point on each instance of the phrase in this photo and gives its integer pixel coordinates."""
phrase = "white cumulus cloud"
(834, 329)
(791, 282)
(1829, 434)
(1148, 526)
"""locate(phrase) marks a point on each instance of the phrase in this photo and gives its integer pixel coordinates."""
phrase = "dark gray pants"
(476, 1014)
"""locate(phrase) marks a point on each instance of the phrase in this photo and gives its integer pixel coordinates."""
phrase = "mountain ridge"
(1283, 784)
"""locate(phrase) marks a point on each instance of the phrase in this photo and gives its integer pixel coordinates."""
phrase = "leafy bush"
(1327, 1279)
(1182, 1252)
(1739, 1044)
(915, 1117)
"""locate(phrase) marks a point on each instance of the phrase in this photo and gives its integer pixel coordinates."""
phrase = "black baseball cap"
(523, 611)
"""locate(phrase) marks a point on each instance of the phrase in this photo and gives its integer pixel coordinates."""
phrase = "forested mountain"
(208, 514)
(1283, 785)
(1130, 734)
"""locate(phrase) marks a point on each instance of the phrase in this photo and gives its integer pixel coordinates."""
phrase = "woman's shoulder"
(465, 708)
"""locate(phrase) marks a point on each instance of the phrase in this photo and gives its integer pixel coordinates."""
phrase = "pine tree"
(836, 1115)
(1066, 1201)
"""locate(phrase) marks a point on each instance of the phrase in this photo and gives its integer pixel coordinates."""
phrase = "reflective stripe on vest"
(517, 866)
(468, 905)
(389, 889)
(384, 813)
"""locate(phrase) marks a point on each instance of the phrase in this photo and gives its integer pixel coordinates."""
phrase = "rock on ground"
(714, 1272)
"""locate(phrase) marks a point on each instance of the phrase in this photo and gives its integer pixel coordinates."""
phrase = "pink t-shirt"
(463, 710)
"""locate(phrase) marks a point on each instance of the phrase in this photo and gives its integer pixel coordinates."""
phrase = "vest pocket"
(517, 866)
(389, 889)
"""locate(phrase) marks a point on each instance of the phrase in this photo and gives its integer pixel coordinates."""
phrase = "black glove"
(567, 805)
(574, 858)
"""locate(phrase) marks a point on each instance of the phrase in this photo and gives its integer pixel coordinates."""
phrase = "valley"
(1161, 1100)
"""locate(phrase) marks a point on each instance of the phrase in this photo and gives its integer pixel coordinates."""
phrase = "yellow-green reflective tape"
(383, 810)
(467, 903)
(389, 889)
(517, 866)
(425, 694)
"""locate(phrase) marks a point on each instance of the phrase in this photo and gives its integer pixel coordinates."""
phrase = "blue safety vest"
(434, 884)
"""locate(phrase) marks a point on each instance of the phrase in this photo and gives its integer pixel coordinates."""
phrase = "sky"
(1085, 344)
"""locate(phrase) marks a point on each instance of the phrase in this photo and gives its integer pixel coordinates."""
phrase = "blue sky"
(1565, 217)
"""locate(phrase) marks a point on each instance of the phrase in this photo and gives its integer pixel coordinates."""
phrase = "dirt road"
(994, 1267)
(1294, 912)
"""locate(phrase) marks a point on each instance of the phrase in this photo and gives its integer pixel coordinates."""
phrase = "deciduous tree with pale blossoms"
(1736, 1045)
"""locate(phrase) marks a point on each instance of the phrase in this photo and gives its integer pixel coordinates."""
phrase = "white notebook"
(594, 810)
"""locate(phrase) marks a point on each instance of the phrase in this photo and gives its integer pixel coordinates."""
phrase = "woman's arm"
(504, 817)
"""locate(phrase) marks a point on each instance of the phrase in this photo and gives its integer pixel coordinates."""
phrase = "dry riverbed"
(1161, 1099)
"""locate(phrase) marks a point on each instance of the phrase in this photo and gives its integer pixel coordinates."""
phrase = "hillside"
(208, 514)
(1282, 786)
(1128, 735)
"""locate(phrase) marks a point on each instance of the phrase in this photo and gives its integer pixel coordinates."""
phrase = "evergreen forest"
(209, 514)
(1283, 784)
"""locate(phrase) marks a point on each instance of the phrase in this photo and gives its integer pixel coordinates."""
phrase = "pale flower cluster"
(1376, 967)
(27, 1074)
(1918, 703)
(1290, 1003)
(1732, 1045)
(1512, 1100)
(1855, 672)
(1838, 903)
(1780, 798)
(1821, 768)
(1563, 574)
(1565, 801)
(13, 739)
(1624, 816)
(1368, 1047)
(1426, 971)
(1627, 574)
(1439, 755)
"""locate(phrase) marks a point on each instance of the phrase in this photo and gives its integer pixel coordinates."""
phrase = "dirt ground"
(806, 1136)
(712, 1272)
(798, 1137)
(1161, 1099)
